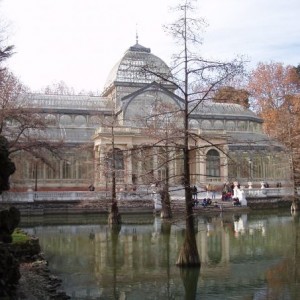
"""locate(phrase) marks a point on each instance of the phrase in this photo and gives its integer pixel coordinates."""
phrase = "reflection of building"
(130, 95)
(95, 261)
(214, 244)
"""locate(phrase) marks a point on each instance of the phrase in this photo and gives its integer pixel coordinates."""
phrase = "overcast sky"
(79, 41)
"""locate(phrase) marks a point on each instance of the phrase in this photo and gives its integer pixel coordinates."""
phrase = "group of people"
(227, 191)
(210, 195)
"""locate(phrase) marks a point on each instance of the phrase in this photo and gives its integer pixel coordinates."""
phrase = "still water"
(243, 256)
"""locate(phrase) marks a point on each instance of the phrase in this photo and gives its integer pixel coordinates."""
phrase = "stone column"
(224, 169)
(140, 168)
(197, 167)
(128, 167)
(101, 167)
(155, 162)
(96, 164)
(172, 167)
(202, 167)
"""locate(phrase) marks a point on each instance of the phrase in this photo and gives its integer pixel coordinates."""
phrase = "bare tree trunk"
(189, 256)
(166, 232)
(166, 212)
(114, 217)
(114, 243)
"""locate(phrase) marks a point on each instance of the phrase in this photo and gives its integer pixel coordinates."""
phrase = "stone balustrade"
(268, 192)
(32, 196)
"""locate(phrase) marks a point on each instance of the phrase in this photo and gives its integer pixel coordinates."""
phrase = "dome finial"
(136, 34)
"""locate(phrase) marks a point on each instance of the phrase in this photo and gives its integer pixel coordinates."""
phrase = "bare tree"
(21, 123)
(7, 167)
(109, 165)
(164, 126)
(59, 88)
(196, 80)
(5, 52)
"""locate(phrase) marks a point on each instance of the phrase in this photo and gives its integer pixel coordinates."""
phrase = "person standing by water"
(195, 195)
(213, 192)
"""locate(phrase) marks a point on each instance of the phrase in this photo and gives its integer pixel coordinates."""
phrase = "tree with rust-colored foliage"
(229, 94)
(275, 89)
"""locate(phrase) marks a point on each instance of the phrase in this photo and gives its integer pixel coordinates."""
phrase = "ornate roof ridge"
(139, 48)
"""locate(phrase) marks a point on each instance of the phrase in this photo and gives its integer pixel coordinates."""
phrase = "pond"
(243, 256)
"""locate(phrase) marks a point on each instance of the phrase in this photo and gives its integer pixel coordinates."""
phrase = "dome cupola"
(137, 66)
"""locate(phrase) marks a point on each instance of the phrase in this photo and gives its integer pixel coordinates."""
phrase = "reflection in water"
(242, 256)
(114, 233)
(189, 278)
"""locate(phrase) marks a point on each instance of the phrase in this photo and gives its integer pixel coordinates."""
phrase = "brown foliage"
(271, 84)
(276, 92)
(229, 94)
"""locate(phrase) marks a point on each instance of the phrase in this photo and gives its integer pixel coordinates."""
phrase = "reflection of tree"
(114, 243)
(190, 277)
(296, 258)
(166, 232)
(284, 278)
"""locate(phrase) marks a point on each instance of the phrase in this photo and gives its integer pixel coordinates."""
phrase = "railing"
(32, 196)
(76, 102)
(119, 130)
(50, 196)
(144, 193)
(268, 192)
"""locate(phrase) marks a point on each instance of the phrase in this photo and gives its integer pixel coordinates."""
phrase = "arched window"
(218, 125)
(212, 164)
(80, 121)
(230, 125)
(206, 124)
(51, 120)
(194, 124)
(65, 120)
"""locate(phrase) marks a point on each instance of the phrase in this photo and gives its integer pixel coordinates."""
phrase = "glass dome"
(138, 65)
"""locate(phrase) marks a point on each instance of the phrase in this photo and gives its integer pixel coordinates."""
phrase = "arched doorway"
(213, 165)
